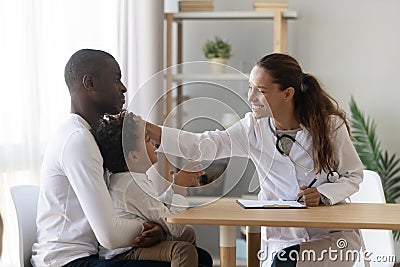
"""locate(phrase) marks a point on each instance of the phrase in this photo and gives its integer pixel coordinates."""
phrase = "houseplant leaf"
(217, 48)
(365, 141)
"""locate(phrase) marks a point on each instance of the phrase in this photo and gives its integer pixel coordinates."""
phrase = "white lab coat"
(279, 177)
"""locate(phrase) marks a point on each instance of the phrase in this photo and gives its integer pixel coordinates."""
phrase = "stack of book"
(196, 5)
(260, 6)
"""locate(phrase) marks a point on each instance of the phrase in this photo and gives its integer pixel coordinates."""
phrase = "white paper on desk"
(270, 204)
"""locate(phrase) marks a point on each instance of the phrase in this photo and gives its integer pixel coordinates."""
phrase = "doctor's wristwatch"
(325, 201)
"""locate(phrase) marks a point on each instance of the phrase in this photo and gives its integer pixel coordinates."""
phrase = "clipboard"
(270, 204)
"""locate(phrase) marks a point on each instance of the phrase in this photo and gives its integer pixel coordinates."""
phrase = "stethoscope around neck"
(332, 176)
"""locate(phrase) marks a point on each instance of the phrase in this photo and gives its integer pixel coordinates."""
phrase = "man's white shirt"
(75, 211)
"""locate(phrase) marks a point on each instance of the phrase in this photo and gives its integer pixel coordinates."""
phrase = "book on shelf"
(198, 5)
(198, 9)
(259, 5)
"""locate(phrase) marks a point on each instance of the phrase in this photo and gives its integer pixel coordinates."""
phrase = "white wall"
(353, 47)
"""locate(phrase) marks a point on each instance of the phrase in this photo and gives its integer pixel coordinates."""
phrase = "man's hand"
(311, 196)
(152, 234)
(188, 176)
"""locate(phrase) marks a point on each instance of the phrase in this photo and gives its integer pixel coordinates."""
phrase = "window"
(36, 40)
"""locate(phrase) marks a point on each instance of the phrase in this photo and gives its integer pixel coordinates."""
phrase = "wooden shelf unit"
(279, 18)
(280, 26)
(210, 77)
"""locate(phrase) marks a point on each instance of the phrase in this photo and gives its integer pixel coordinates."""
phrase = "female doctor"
(294, 134)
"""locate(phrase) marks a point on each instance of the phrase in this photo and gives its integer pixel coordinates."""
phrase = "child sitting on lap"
(128, 153)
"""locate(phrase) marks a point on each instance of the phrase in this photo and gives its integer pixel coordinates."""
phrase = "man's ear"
(88, 81)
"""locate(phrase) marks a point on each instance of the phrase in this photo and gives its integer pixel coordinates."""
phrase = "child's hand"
(188, 176)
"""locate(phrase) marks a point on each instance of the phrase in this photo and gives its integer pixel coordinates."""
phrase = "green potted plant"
(218, 52)
(373, 157)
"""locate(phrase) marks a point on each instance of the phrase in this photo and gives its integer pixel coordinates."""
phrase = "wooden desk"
(228, 214)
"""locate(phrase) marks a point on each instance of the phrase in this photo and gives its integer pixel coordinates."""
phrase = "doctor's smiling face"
(264, 94)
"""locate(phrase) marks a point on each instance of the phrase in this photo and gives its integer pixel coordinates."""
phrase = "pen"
(311, 184)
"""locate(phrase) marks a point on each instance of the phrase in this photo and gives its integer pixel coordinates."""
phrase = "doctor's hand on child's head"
(310, 196)
(127, 114)
(188, 176)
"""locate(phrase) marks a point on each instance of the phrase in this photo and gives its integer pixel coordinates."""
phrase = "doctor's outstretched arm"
(209, 145)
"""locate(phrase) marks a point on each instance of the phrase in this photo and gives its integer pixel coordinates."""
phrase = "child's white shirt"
(135, 197)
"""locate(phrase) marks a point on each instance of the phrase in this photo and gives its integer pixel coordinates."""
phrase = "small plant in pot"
(218, 52)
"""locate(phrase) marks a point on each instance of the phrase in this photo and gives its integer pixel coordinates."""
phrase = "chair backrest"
(377, 242)
(25, 198)
(371, 190)
(1, 235)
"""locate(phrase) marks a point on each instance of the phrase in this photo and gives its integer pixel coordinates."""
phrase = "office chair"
(377, 242)
(25, 198)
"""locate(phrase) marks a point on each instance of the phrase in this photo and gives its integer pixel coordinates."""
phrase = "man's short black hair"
(116, 136)
(85, 61)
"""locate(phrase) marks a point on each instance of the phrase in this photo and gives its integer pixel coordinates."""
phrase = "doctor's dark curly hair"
(116, 136)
